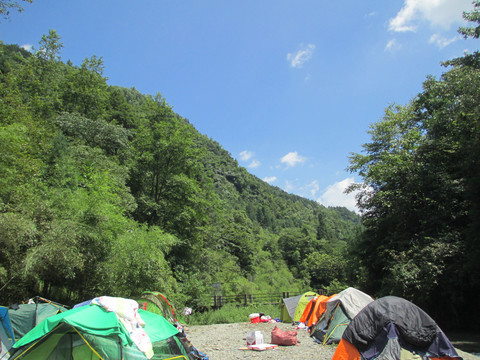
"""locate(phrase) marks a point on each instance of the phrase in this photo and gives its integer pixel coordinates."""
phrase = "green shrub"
(232, 314)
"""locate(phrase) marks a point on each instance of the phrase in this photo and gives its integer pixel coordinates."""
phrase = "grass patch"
(230, 313)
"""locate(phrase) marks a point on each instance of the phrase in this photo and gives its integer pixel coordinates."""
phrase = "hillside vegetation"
(105, 190)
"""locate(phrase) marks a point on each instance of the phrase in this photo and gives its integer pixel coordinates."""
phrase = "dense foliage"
(108, 191)
(420, 195)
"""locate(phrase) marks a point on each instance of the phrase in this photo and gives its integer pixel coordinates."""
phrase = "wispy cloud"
(270, 179)
(246, 155)
(335, 195)
(438, 13)
(292, 159)
(313, 188)
(254, 164)
(442, 41)
(28, 47)
(392, 45)
(300, 57)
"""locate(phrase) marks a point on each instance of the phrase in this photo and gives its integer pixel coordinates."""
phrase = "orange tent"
(346, 351)
(315, 309)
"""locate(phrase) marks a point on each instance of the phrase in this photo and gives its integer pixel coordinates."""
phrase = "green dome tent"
(156, 302)
(90, 332)
(341, 309)
(24, 317)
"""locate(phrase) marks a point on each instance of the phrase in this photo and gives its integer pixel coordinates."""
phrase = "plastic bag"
(285, 338)
(254, 338)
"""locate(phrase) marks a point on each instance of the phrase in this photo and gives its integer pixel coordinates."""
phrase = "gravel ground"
(227, 342)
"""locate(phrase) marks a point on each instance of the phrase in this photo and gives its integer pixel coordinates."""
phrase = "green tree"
(474, 17)
(165, 176)
(6, 6)
(39, 78)
(85, 89)
(420, 195)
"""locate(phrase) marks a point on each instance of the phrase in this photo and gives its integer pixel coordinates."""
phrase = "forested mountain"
(105, 190)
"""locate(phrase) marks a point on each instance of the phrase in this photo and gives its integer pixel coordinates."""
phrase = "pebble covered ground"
(228, 342)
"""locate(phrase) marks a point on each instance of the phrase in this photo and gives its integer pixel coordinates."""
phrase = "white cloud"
(438, 13)
(28, 47)
(442, 41)
(254, 164)
(392, 45)
(246, 155)
(292, 159)
(303, 55)
(335, 196)
(270, 179)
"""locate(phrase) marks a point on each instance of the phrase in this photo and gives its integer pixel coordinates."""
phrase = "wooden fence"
(249, 299)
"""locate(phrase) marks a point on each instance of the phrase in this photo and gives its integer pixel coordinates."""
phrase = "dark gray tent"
(394, 328)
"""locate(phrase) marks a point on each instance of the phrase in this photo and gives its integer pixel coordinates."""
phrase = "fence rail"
(248, 299)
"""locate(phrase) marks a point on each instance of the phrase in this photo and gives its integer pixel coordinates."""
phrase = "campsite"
(347, 324)
(223, 341)
(220, 226)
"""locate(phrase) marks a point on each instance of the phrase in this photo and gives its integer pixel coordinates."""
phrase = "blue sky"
(288, 88)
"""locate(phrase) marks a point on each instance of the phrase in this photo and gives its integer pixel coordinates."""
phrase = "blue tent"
(6, 332)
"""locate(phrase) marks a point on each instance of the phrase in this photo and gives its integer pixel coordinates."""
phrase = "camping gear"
(340, 310)
(284, 337)
(394, 326)
(262, 347)
(314, 310)
(25, 317)
(92, 332)
(6, 333)
(254, 318)
(254, 338)
(292, 308)
(156, 302)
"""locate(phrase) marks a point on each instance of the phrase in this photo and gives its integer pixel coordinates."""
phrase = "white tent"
(352, 300)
